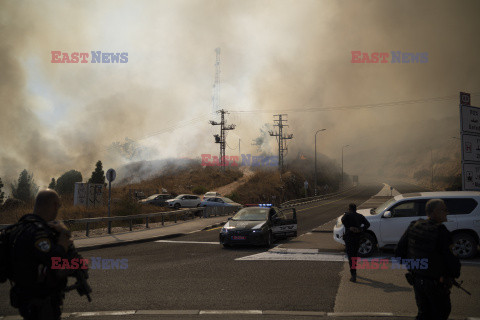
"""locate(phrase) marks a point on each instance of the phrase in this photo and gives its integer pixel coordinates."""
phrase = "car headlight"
(339, 223)
(224, 230)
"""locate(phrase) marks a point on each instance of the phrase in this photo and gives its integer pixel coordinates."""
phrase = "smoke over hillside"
(289, 57)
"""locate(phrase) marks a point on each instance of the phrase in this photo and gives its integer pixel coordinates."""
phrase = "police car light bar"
(259, 205)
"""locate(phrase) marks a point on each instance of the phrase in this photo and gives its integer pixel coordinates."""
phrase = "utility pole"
(316, 159)
(216, 85)
(342, 161)
(431, 158)
(282, 144)
(221, 138)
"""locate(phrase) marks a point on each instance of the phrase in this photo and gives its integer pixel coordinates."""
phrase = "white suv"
(185, 201)
(389, 221)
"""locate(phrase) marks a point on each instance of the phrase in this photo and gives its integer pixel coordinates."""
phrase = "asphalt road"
(205, 276)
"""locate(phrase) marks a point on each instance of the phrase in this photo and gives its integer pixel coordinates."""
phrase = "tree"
(52, 184)
(98, 176)
(26, 188)
(2, 194)
(66, 182)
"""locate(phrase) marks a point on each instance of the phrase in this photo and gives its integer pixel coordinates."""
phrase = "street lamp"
(342, 161)
(316, 158)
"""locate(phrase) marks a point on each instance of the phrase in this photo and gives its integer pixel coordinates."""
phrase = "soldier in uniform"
(355, 224)
(37, 290)
(430, 239)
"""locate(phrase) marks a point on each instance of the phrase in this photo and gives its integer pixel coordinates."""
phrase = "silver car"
(184, 201)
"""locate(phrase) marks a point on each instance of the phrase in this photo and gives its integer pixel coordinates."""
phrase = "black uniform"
(352, 239)
(37, 290)
(427, 239)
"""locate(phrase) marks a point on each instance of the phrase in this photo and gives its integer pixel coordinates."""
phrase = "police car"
(259, 225)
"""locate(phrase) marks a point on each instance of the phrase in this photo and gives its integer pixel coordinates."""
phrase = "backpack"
(4, 255)
(5, 247)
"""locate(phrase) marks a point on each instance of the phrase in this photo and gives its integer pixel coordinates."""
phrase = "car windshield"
(251, 214)
(227, 200)
(382, 207)
(152, 197)
(179, 197)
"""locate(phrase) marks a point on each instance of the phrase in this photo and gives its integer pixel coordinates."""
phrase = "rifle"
(81, 285)
(459, 286)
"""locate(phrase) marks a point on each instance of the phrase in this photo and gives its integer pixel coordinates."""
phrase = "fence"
(182, 214)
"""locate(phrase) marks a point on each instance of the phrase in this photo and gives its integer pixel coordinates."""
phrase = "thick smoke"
(277, 56)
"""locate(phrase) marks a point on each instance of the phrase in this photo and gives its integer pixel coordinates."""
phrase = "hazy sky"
(276, 56)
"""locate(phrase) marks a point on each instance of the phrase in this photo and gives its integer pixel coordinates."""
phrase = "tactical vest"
(423, 243)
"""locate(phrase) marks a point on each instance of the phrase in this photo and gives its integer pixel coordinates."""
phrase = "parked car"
(259, 226)
(184, 201)
(157, 199)
(219, 202)
(389, 221)
(211, 194)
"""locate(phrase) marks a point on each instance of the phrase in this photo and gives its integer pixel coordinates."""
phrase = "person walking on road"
(355, 224)
(430, 239)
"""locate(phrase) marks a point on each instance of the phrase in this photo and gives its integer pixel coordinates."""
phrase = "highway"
(194, 272)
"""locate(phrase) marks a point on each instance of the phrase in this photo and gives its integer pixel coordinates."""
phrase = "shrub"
(199, 190)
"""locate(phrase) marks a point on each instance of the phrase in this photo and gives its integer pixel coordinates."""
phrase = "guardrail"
(297, 202)
(206, 212)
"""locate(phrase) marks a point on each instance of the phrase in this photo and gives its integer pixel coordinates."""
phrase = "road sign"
(464, 99)
(470, 119)
(471, 176)
(111, 175)
(471, 148)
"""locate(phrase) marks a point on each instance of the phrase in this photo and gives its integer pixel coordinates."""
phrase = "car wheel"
(464, 246)
(295, 234)
(176, 206)
(269, 240)
(367, 245)
(198, 205)
(226, 245)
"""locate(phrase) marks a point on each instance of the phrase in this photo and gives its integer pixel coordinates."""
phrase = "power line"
(192, 122)
(364, 106)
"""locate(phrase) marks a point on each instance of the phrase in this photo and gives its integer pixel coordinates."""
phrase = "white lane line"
(271, 256)
(359, 314)
(195, 242)
(290, 251)
(231, 312)
(194, 231)
(102, 313)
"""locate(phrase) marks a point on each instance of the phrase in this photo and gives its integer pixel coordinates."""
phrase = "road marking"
(231, 312)
(273, 256)
(347, 315)
(359, 314)
(187, 242)
(102, 313)
(215, 228)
